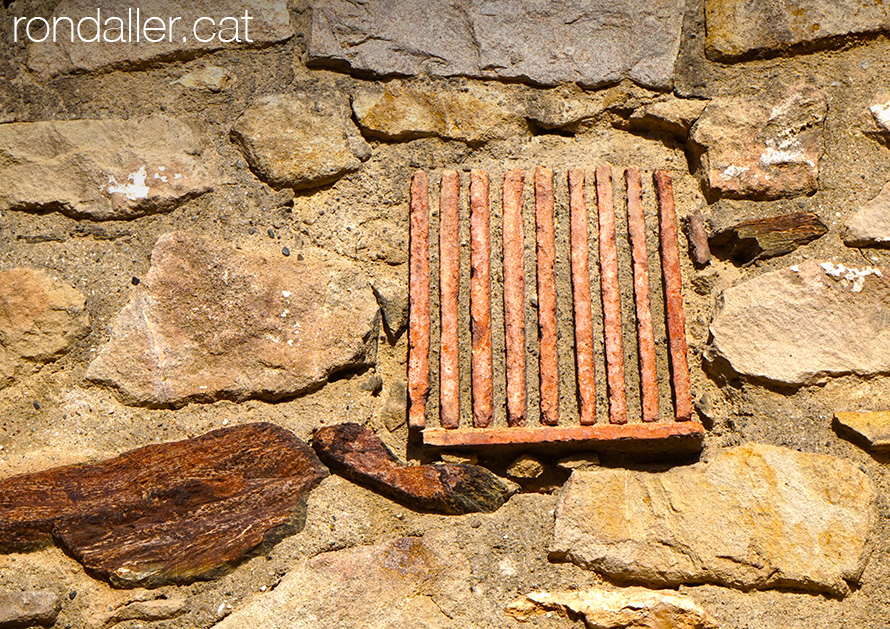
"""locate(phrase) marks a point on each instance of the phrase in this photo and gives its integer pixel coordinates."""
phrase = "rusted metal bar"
(514, 296)
(419, 293)
(611, 296)
(480, 298)
(581, 298)
(546, 253)
(449, 278)
(636, 227)
(673, 292)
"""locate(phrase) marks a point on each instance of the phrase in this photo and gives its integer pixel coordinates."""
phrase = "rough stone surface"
(736, 28)
(801, 324)
(566, 107)
(299, 141)
(270, 22)
(392, 295)
(873, 428)
(755, 516)
(628, 608)
(404, 112)
(166, 513)
(763, 238)
(762, 149)
(674, 115)
(406, 582)
(525, 467)
(395, 409)
(209, 321)
(870, 225)
(358, 454)
(163, 608)
(103, 169)
(211, 78)
(26, 609)
(539, 42)
(40, 320)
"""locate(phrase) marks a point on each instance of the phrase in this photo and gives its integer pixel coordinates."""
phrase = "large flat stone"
(103, 169)
(764, 148)
(802, 324)
(41, 317)
(166, 513)
(870, 225)
(118, 47)
(737, 28)
(755, 516)
(546, 43)
(210, 321)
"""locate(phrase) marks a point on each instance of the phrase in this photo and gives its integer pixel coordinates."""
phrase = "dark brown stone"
(359, 455)
(763, 238)
(166, 513)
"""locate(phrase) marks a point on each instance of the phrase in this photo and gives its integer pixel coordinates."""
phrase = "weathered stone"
(870, 225)
(103, 169)
(166, 513)
(628, 608)
(879, 118)
(737, 28)
(801, 324)
(146, 610)
(210, 321)
(542, 43)
(359, 455)
(460, 458)
(41, 319)
(126, 43)
(392, 295)
(873, 428)
(755, 516)
(525, 467)
(763, 238)
(762, 149)
(580, 462)
(211, 78)
(404, 112)
(299, 141)
(395, 409)
(405, 582)
(674, 115)
(565, 107)
(26, 609)
(697, 235)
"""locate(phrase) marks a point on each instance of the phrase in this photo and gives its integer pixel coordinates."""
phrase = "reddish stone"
(480, 298)
(449, 279)
(581, 298)
(514, 296)
(419, 290)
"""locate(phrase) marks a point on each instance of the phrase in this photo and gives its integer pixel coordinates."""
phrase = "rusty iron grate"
(583, 427)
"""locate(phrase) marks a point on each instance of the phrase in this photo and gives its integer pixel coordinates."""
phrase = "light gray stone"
(103, 169)
(391, 291)
(210, 78)
(26, 609)
(545, 43)
(210, 321)
(802, 324)
(118, 47)
(736, 28)
(755, 516)
(870, 225)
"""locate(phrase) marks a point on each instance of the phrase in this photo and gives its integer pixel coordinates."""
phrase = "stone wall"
(197, 236)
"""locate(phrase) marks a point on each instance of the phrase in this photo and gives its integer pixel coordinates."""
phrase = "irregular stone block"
(801, 324)
(873, 428)
(161, 30)
(210, 321)
(146, 610)
(103, 169)
(755, 516)
(166, 513)
(391, 292)
(674, 115)
(628, 608)
(26, 609)
(211, 78)
(542, 43)
(764, 238)
(41, 318)
(300, 141)
(737, 28)
(359, 455)
(762, 149)
(870, 225)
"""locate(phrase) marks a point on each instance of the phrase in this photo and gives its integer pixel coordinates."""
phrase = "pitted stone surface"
(210, 321)
(801, 324)
(103, 169)
(544, 43)
(30, 608)
(870, 225)
(755, 516)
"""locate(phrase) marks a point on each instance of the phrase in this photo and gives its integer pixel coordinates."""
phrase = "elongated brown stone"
(166, 513)
(419, 291)
(449, 278)
(514, 296)
(673, 291)
(636, 226)
(480, 298)
(698, 239)
(546, 252)
(581, 297)
(611, 296)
